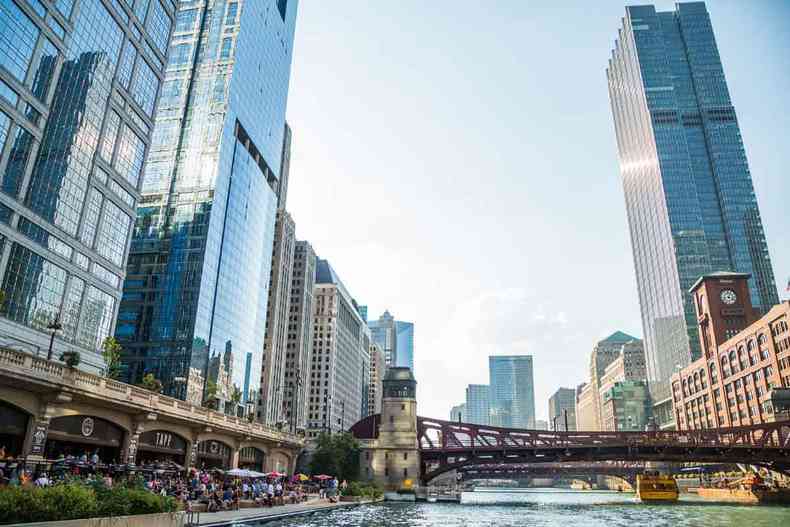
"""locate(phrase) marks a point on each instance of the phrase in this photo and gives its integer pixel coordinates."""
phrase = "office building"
(299, 340)
(395, 337)
(271, 400)
(743, 376)
(540, 424)
(478, 407)
(340, 365)
(71, 155)
(586, 397)
(562, 410)
(198, 274)
(377, 370)
(512, 391)
(689, 195)
(458, 413)
(625, 407)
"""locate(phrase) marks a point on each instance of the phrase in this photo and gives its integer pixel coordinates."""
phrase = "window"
(185, 20)
(144, 87)
(227, 46)
(405, 456)
(129, 159)
(159, 26)
(233, 11)
(18, 35)
(180, 55)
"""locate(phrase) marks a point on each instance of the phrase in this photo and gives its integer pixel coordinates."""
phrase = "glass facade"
(194, 303)
(78, 82)
(512, 391)
(404, 332)
(395, 338)
(478, 405)
(688, 190)
(561, 405)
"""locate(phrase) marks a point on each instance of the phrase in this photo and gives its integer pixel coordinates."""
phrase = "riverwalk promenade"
(209, 519)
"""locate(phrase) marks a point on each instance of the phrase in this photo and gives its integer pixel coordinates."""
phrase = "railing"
(24, 365)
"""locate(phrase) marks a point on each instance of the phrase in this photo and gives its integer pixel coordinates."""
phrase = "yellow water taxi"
(654, 487)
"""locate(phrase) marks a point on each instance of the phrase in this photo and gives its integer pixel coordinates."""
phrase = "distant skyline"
(461, 170)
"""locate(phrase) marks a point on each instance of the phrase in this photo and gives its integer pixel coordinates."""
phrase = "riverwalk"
(211, 519)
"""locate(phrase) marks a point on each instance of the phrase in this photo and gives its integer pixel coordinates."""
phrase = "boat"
(748, 489)
(652, 487)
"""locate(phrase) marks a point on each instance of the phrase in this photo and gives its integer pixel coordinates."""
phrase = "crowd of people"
(204, 489)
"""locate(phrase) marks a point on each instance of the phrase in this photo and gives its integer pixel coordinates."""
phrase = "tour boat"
(654, 487)
(749, 489)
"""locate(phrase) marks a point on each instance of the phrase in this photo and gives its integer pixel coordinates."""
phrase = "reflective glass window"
(17, 161)
(159, 26)
(5, 123)
(34, 288)
(70, 314)
(110, 135)
(141, 8)
(8, 93)
(38, 7)
(105, 275)
(96, 318)
(18, 36)
(41, 236)
(121, 193)
(130, 156)
(91, 219)
(44, 69)
(185, 20)
(126, 65)
(179, 54)
(113, 233)
(59, 180)
(144, 87)
(65, 7)
(56, 28)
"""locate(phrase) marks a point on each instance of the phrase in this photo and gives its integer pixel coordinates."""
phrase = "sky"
(456, 163)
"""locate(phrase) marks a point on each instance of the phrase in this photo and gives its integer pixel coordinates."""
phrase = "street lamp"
(55, 327)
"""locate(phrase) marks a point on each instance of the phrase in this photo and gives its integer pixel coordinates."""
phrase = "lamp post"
(55, 326)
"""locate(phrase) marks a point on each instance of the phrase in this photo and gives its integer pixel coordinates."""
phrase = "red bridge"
(446, 445)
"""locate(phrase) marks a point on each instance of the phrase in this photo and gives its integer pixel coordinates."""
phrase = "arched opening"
(161, 446)
(213, 454)
(13, 427)
(251, 458)
(84, 435)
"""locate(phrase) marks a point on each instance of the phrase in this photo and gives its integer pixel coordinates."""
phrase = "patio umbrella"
(302, 477)
(242, 473)
(275, 474)
(322, 477)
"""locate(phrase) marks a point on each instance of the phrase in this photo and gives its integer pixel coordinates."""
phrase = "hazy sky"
(456, 162)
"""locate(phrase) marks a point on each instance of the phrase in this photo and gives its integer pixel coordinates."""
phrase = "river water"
(549, 508)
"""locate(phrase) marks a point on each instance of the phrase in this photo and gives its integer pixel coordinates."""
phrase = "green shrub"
(74, 500)
(356, 488)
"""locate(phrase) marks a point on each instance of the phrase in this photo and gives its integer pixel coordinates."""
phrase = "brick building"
(743, 375)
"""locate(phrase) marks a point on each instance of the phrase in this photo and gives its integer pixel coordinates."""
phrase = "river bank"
(260, 515)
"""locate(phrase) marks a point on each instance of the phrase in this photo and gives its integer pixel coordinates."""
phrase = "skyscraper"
(478, 405)
(562, 405)
(299, 344)
(458, 413)
(512, 391)
(199, 265)
(688, 190)
(270, 402)
(377, 371)
(77, 96)
(395, 337)
(605, 352)
(340, 366)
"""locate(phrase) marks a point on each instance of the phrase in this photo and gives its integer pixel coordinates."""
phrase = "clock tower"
(723, 307)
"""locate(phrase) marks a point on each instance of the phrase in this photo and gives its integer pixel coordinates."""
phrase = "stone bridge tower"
(391, 458)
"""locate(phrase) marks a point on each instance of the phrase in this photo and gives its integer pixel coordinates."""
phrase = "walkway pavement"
(264, 513)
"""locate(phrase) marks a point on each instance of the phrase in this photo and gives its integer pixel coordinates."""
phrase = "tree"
(211, 394)
(336, 455)
(111, 353)
(151, 383)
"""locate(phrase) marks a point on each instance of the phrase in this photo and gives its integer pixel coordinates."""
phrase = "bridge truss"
(446, 445)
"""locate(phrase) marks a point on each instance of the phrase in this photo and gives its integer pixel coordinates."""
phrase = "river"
(548, 508)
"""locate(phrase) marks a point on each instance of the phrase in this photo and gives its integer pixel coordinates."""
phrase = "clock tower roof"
(718, 274)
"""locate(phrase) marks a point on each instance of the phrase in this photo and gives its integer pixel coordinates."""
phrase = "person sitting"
(227, 498)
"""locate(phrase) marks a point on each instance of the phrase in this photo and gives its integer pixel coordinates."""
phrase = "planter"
(166, 519)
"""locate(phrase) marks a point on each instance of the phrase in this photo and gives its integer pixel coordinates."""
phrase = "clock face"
(728, 296)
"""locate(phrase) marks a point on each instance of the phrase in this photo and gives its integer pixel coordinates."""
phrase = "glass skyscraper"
(78, 84)
(394, 337)
(512, 391)
(478, 405)
(194, 305)
(688, 190)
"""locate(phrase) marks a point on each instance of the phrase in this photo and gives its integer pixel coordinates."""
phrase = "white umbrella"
(240, 472)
